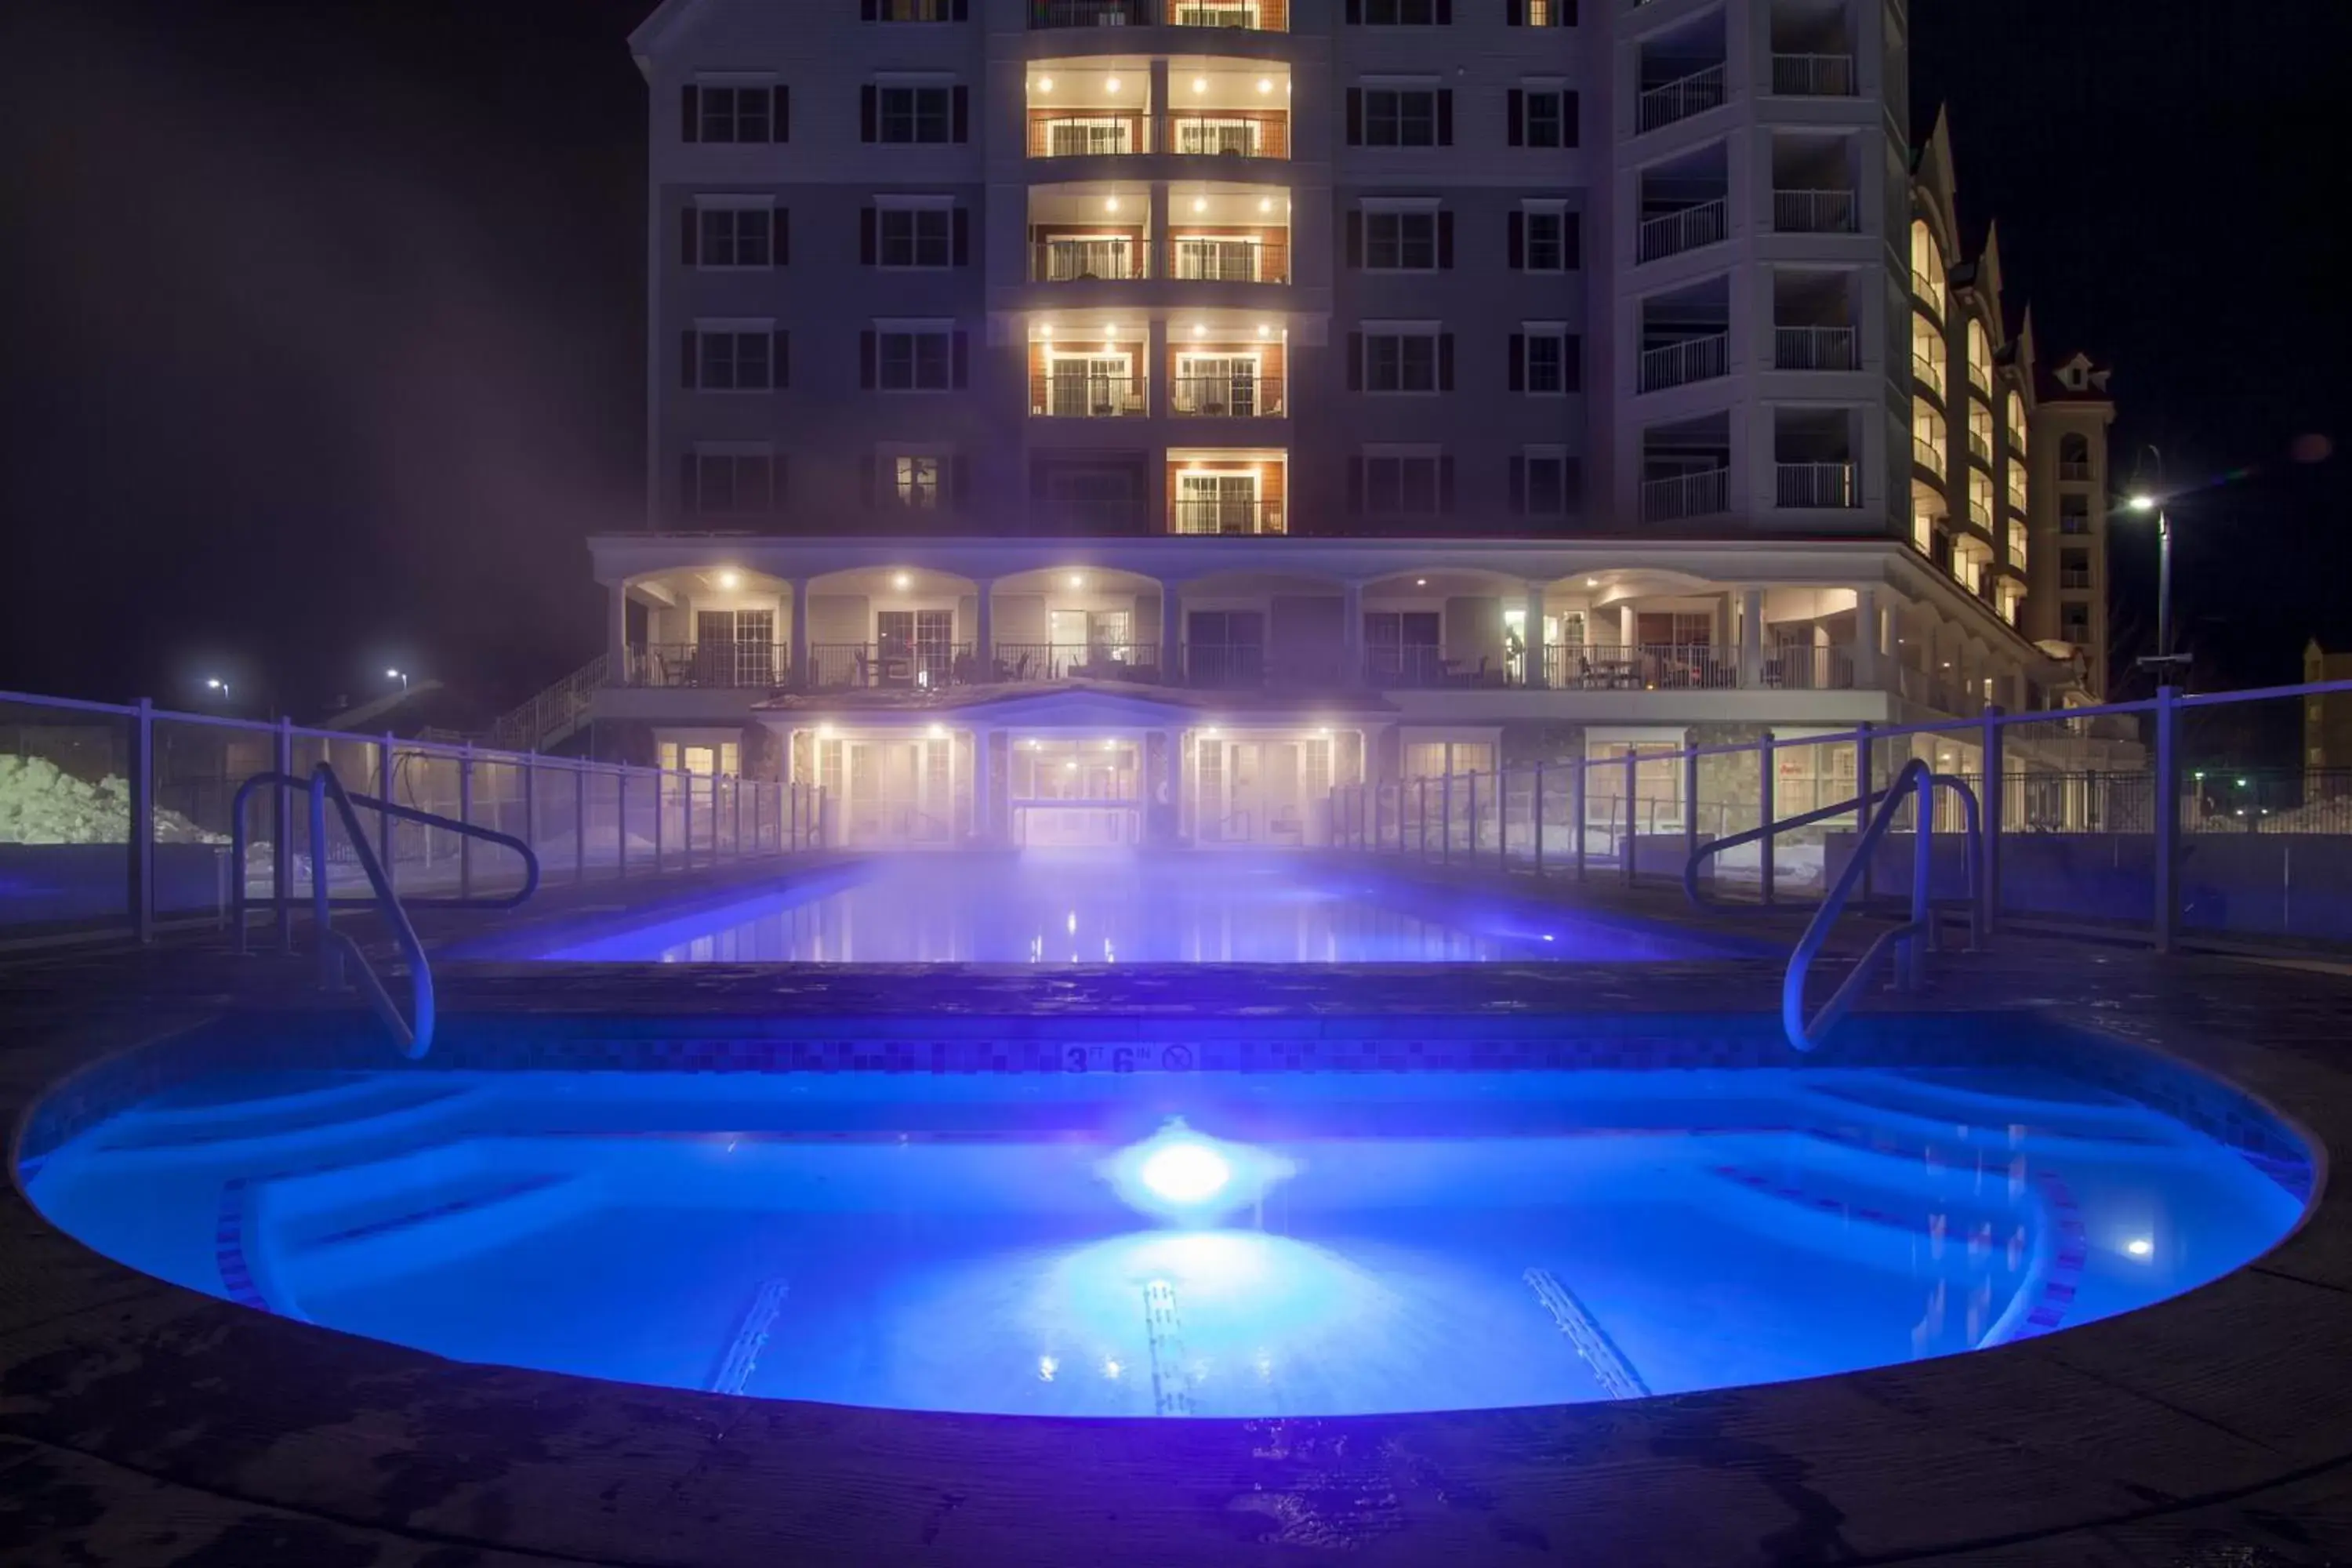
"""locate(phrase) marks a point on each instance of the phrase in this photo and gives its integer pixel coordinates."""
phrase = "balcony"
(1929, 374)
(1107, 515)
(1066, 389)
(1927, 455)
(1226, 515)
(2074, 470)
(1231, 133)
(1086, 133)
(1980, 447)
(1671, 234)
(1832, 486)
(711, 666)
(1245, 16)
(1699, 494)
(1813, 212)
(2074, 577)
(1669, 101)
(1814, 348)
(1236, 394)
(1026, 662)
(892, 665)
(1679, 365)
(1813, 76)
(1263, 257)
(1091, 13)
(1088, 259)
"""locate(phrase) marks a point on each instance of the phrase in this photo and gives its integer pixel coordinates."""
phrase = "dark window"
(913, 236)
(1547, 240)
(734, 362)
(2074, 515)
(1546, 483)
(735, 237)
(1401, 241)
(1400, 362)
(1400, 117)
(913, 362)
(736, 114)
(1547, 362)
(915, 10)
(1401, 486)
(913, 113)
(1543, 118)
(1406, 13)
(733, 481)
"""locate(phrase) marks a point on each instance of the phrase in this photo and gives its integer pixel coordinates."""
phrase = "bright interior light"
(1186, 1173)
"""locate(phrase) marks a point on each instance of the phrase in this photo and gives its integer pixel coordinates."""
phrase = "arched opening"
(1926, 266)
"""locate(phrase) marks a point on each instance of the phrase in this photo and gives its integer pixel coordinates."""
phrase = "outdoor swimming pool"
(1298, 1244)
(1122, 907)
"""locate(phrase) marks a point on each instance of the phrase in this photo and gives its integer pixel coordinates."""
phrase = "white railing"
(1694, 359)
(1927, 373)
(1813, 348)
(1928, 456)
(1835, 485)
(1699, 494)
(550, 718)
(1813, 212)
(1680, 99)
(1671, 234)
(1980, 447)
(1812, 76)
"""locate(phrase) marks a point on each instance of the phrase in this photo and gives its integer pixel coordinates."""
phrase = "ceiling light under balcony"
(1200, 84)
(1263, 331)
(1110, 204)
(731, 579)
(1110, 84)
(901, 581)
(1266, 204)
(1076, 581)
(1266, 84)
(1044, 84)
(1047, 331)
(1200, 203)
(1199, 330)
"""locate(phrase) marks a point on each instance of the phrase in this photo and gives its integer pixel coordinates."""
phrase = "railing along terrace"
(1043, 661)
(1813, 212)
(1226, 396)
(916, 666)
(732, 665)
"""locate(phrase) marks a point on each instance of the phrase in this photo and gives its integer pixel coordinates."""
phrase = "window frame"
(1397, 93)
(1403, 360)
(734, 332)
(1396, 217)
(707, 209)
(913, 212)
(733, 454)
(915, 337)
(914, 117)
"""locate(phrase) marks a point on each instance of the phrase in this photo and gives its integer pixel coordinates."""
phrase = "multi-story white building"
(1095, 420)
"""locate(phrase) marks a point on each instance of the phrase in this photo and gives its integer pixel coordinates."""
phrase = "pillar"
(1865, 638)
(1751, 636)
(983, 820)
(983, 629)
(1156, 366)
(1159, 135)
(1351, 635)
(1171, 633)
(616, 633)
(1627, 627)
(1537, 674)
(800, 644)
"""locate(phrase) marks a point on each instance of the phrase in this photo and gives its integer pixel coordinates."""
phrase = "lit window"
(919, 483)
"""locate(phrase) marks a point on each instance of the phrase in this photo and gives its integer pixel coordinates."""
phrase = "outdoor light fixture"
(1266, 204)
(1263, 331)
(1110, 204)
(400, 676)
(1421, 581)
(1076, 581)
(1110, 84)
(1199, 330)
(937, 731)
(1047, 331)
(1264, 84)
(1044, 84)
(2141, 503)
(824, 731)
(2140, 1247)
(1200, 203)
(1592, 582)
(731, 579)
(901, 581)
(1200, 84)
(214, 683)
(1189, 1178)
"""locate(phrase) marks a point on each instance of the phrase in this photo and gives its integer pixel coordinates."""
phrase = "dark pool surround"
(141, 1422)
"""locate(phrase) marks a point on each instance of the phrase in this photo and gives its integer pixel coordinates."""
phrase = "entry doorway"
(1071, 793)
(1261, 790)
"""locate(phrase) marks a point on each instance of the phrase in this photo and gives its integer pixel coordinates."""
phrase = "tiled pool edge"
(1880, 1465)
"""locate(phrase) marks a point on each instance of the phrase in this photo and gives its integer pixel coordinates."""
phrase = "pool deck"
(142, 1423)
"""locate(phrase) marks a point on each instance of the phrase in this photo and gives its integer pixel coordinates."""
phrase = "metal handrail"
(414, 1033)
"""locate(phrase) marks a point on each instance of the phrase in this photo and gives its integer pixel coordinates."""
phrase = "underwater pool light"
(1190, 1179)
(1186, 1171)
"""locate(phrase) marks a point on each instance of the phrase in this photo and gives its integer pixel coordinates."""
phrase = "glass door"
(1216, 503)
(1217, 384)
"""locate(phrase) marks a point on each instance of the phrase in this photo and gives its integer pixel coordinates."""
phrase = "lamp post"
(399, 675)
(2144, 504)
(215, 683)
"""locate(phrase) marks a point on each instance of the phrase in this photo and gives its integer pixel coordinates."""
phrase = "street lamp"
(399, 675)
(215, 683)
(2143, 504)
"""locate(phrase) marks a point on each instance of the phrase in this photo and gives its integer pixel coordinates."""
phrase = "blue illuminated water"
(1119, 906)
(1396, 1241)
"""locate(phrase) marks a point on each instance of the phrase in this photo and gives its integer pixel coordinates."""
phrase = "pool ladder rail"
(1908, 941)
(413, 1032)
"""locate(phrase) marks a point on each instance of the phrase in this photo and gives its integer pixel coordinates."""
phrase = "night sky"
(322, 324)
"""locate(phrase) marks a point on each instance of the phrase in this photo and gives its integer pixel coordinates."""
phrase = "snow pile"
(41, 805)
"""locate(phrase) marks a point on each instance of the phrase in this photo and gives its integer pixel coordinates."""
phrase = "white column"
(1351, 634)
(1626, 624)
(1536, 674)
(616, 634)
(800, 672)
(1171, 633)
(1865, 638)
(983, 630)
(983, 823)
(1751, 636)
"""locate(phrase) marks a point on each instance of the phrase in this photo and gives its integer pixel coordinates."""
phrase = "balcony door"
(1089, 386)
(1088, 256)
(1217, 133)
(1216, 503)
(912, 647)
(1085, 138)
(1217, 384)
(734, 647)
(1218, 261)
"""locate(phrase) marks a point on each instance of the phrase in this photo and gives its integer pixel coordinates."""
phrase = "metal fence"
(114, 817)
(2099, 819)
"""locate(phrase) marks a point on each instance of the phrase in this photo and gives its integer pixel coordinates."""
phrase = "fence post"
(1766, 811)
(465, 815)
(1863, 764)
(1420, 817)
(660, 781)
(1535, 811)
(142, 762)
(384, 822)
(281, 870)
(685, 823)
(1632, 823)
(1576, 810)
(1502, 819)
(1473, 784)
(1446, 820)
(1996, 786)
(2167, 818)
(738, 818)
(1690, 803)
(579, 823)
(531, 799)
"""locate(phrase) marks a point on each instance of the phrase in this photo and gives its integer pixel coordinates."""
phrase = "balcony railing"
(1680, 99)
(1980, 447)
(1226, 396)
(1076, 260)
(1813, 212)
(1693, 358)
(1264, 258)
(1699, 494)
(1087, 514)
(891, 665)
(1607, 666)
(1837, 485)
(1234, 133)
(1224, 664)
(1927, 373)
(1928, 456)
(1075, 396)
(1192, 514)
(1091, 13)
(1671, 234)
(2074, 577)
(724, 666)
(1079, 134)
(1814, 348)
(1033, 661)
(1813, 76)
(2067, 470)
